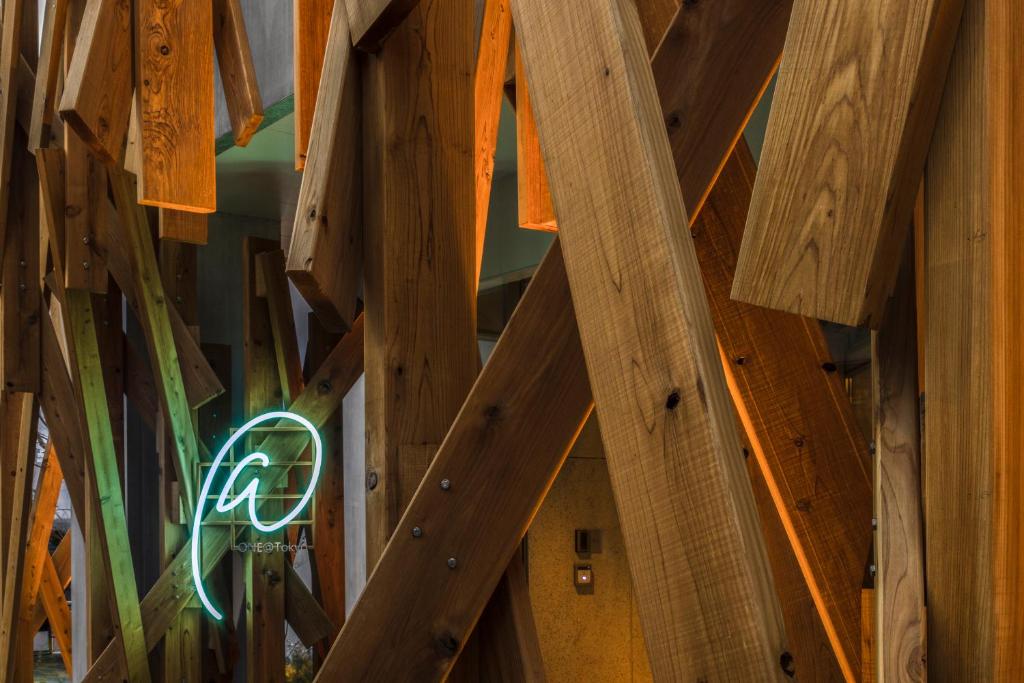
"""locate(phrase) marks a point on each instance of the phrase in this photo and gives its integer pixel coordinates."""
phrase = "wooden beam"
(201, 382)
(156, 324)
(325, 252)
(973, 477)
(304, 614)
(852, 116)
(796, 416)
(373, 20)
(50, 50)
(10, 52)
(536, 212)
(488, 87)
(655, 17)
(183, 226)
(174, 590)
(37, 556)
(18, 462)
(508, 620)
(532, 396)
(672, 448)
(98, 85)
(174, 100)
(55, 609)
(312, 22)
(85, 218)
(104, 482)
(899, 542)
(20, 301)
(420, 252)
(237, 72)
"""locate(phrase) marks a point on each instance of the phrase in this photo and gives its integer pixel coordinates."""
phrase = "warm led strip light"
(249, 493)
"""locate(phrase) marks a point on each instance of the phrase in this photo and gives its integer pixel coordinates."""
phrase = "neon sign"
(248, 494)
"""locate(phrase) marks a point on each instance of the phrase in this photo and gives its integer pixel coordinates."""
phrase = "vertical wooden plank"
(19, 462)
(329, 513)
(488, 87)
(311, 23)
(858, 90)
(325, 252)
(507, 633)
(264, 572)
(973, 479)
(174, 98)
(98, 83)
(673, 453)
(421, 354)
(54, 22)
(104, 483)
(869, 643)
(85, 217)
(535, 209)
(899, 552)
(237, 72)
(20, 302)
(800, 428)
(183, 226)
(10, 50)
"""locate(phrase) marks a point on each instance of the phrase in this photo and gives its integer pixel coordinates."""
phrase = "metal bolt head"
(21, 286)
(85, 239)
(874, 522)
(873, 570)
(446, 484)
(85, 265)
(324, 387)
(371, 480)
(417, 532)
(22, 263)
(452, 563)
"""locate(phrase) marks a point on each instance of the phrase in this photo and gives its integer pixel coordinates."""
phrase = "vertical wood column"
(264, 572)
(973, 473)
(421, 354)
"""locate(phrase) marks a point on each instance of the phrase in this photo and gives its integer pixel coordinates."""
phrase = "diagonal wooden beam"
(57, 572)
(237, 72)
(98, 86)
(852, 117)
(373, 20)
(55, 608)
(524, 401)
(304, 614)
(488, 88)
(174, 590)
(325, 252)
(536, 211)
(104, 482)
(37, 557)
(671, 443)
(50, 50)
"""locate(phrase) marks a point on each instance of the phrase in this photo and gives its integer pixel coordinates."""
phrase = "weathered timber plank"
(899, 551)
(237, 72)
(85, 217)
(104, 483)
(174, 100)
(325, 252)
(312, 23)
(655, 17)
(183, 226)
(508, 621)
(973, 476)
(154, 317)
(536, 212)
(98, 85)
(174, 590)
(19, 468)
(420, 252)
(488, 87)
(532, 396)
(55, 609)
(373, 20)
(672, 448)
(303, 612)
(201, 382)
(20, 300)
(10, 52)
(50, 50)
(797, 418)
(853, 112)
